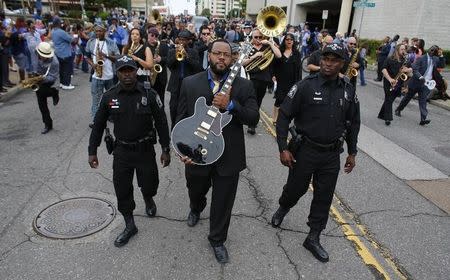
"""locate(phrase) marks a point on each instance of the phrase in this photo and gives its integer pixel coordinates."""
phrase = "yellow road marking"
(348, 231)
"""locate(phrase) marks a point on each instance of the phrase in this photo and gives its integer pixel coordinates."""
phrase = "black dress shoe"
(150, 207)
(55, 99)
(127, 233)
(221, 253)
(10, 84)
(251, 130)
(193, 218)
(312, 244)
(424, 122)
(278, 217)
(397, 113)
(91, 125)
(46, 130)
(3, 90)
(387, 123)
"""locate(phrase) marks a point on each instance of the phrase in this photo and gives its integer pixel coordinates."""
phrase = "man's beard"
(218, 71)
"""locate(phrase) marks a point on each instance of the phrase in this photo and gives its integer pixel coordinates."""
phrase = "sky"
(178, 6)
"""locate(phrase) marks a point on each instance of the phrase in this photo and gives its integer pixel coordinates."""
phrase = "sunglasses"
(353, 44)
(151, 35)
(288, 39)
(206, 33)
(257, 37)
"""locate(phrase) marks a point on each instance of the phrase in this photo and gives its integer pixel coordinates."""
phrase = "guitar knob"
(204, 152)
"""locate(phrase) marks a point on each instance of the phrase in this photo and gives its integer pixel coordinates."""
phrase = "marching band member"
(350, 53)
(287, 70)
(159, 57)
(392, 84)
(100, 55)
(139, 50)
(260, 78)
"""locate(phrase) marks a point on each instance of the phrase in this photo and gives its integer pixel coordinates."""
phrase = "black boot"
(193, 218)
(278, 217)
(127, 233)
(312, 243)
(150, 207)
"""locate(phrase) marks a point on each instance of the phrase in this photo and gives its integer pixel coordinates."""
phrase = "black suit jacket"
(245, 112)
(191, 63)
(420, 67)
(161, 78)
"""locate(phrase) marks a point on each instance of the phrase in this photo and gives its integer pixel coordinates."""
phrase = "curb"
(438, 103)
(11, 93)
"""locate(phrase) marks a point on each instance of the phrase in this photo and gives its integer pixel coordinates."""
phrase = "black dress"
(287, 71)
(142, 73)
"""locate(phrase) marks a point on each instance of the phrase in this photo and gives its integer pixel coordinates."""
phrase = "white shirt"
(429, 73)
(107, 66)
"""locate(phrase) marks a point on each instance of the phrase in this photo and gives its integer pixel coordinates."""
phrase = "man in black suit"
(223, 175)
(202, 45)
(189, 65)
(423, 69)
(159, 58)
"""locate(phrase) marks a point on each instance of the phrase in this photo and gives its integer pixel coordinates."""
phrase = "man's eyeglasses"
(206, 33)
(352, 44)
(257, 37)
(225, 54)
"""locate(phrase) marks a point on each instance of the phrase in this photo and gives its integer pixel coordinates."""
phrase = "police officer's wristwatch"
(166, 149)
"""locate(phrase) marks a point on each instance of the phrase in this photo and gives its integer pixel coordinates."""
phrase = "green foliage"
(234, 13)
(110, 3)
(206, 13)
(243, 5)
(103, 15)
(74, 13)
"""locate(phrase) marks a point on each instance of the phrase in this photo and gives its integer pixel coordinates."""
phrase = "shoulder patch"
(292, 92)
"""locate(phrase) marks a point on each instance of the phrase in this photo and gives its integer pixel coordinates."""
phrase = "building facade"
(218, 8)
(412, 18)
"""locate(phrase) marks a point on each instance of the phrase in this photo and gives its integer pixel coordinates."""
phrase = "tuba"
(271, 21)
(157, 68)
(352, 72)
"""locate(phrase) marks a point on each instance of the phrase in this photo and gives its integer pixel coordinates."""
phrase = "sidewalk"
(14, 77)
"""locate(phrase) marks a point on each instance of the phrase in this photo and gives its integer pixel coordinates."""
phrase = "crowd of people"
(129, 59)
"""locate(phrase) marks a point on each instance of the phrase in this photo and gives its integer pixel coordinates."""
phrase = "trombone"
(271, 21)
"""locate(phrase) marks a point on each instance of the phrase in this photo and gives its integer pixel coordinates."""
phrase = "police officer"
(134, 108)
(325, 110)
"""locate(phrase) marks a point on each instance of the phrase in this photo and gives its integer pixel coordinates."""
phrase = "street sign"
(363, 4)
(325, 14)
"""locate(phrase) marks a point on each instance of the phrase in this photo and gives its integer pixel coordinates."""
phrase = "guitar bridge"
(201, 135)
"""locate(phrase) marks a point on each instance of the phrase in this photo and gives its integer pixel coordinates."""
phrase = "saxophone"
(133, 48)
(100, 61)
(400, 75)
(33, 82)
(157, 68)
(352, 72)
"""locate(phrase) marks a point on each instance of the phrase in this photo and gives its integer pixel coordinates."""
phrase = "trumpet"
(32, 82)
(271, 22)
(180, 54)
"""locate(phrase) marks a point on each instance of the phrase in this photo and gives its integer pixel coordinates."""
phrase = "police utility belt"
(149, 139)
(298, 139)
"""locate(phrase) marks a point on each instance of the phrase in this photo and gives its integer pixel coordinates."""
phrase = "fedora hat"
(44, 49)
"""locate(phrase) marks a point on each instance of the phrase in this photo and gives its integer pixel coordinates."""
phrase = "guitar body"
(204, 144)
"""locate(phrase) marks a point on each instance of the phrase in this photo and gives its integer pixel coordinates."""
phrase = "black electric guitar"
(199, 137)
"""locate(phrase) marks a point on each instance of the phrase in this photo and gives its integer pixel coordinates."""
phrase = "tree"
(233, 13)
(244, 5)
(206, 13)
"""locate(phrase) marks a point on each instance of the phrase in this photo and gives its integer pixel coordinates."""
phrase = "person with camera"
(325, 110)
(136, 111)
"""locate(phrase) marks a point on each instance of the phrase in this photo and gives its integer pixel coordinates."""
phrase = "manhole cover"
(74, 218)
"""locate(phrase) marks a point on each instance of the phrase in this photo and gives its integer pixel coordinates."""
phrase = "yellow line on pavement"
(349, 233)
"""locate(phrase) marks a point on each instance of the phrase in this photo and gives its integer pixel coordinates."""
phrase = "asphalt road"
(380, 226)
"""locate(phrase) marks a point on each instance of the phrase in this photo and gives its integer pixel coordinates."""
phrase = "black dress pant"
(260, 88)
(42, 94)
(125, 162)
(324, 168)
(222, 201)
(160, 88)
(4, 64)
(173, 105)
(380, 68)
(389, 97)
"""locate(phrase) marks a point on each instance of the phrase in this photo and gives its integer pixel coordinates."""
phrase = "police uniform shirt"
(320, 109)
(133, 113)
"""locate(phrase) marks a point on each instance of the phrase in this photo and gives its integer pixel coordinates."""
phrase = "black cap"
(124, 61)
(334, 48)
(185, 34)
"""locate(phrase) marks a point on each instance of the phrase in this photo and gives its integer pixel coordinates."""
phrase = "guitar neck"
(233, 73)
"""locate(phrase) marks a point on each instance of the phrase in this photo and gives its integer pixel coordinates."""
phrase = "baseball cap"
(335, 48)
(235, 47)
(124, 61)
(185, 34)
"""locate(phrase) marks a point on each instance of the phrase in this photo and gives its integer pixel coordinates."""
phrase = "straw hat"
(44, 49)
